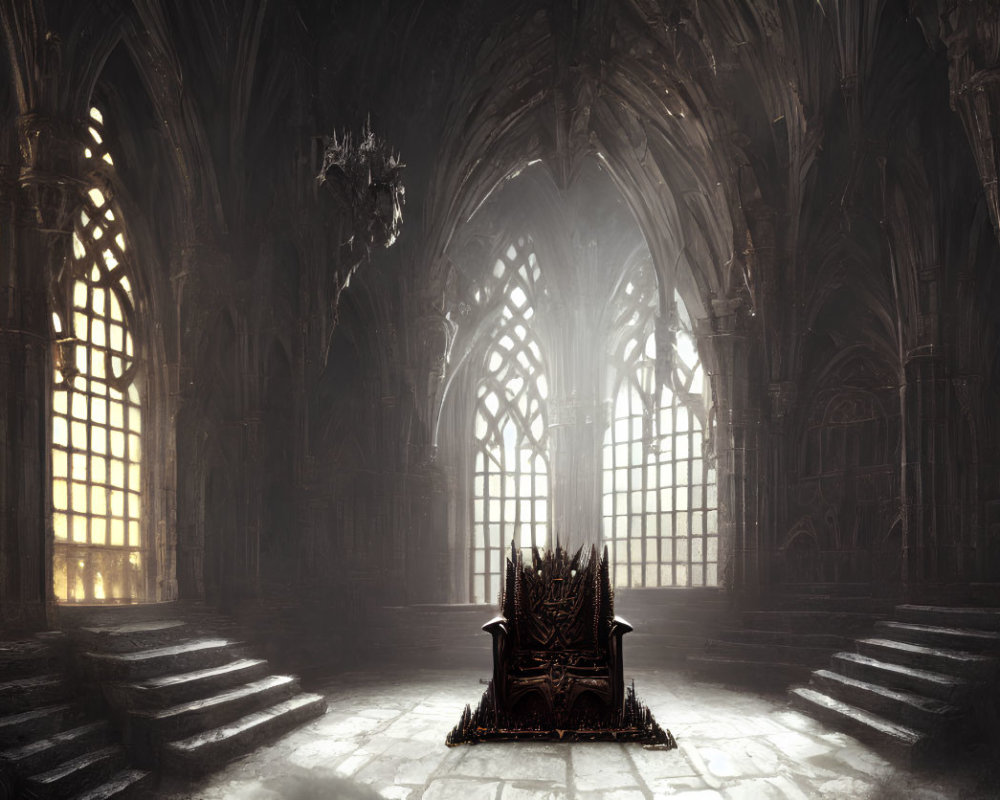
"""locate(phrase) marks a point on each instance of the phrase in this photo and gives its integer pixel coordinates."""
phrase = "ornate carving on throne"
(557, 659)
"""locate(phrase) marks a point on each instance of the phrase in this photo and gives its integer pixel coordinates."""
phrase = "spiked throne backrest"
(557, 602)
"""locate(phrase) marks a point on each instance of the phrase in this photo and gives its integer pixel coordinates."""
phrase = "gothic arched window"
(511, 472)
(659, 499)
(96, 420)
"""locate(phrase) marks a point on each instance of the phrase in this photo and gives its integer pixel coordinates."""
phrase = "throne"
(557, 658)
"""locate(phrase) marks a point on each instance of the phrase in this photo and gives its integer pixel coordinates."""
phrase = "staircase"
(795, 631)
(924, 682)
(187, 697)
(50, 747)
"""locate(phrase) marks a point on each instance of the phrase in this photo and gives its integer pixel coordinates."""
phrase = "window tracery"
(511, 470)
(96, 407)
(659, 491)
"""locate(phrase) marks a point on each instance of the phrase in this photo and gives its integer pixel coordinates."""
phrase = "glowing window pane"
(59, 464)
(59, 432)
(509, 486)
(79, 467)
(98, 530)
(117, 532)
(59, 494)
(78, 497)
(117, 473)
(98, 501)
(79, 435)
(98, 410)
(645, 457)
(81, 359)
(79, 528)
(82, 480)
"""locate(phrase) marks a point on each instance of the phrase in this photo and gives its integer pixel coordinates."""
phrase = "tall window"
(659, 499)
(96, 411)
(511, 477)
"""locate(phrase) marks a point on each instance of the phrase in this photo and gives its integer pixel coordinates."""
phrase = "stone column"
(927, 511)
(37, 221)
(26, 600)
(574, 441)
(741, 486)
(783, 395)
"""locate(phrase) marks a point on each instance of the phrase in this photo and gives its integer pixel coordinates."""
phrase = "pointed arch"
(100, 545)
(659, 504)
(510, 495)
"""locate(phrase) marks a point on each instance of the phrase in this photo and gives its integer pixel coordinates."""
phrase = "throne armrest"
(496, 627)
(619, 627)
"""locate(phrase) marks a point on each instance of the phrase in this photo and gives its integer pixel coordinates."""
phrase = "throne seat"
(557, 658)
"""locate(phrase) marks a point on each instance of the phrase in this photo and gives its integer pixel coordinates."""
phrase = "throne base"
(635, 723)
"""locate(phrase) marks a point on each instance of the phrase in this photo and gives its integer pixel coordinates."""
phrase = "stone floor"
(384, 738)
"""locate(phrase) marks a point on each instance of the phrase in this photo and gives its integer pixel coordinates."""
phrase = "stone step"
(83, 772)
(131, 636)
(897, 676)
(934, 717)
(24, 694)
(17, 730)
(123, 784)
(42, 753)
(652, 649)
(27, 658)
(763, 677)
(830, 602)
(951, 617)
(769, 653)
(854, 589)
(837, 622)
(971, 666)
(205, 751)
(899, 742)
(188, 718)
(830, 641)
(183, 657)
(169, 690)
(975, 641)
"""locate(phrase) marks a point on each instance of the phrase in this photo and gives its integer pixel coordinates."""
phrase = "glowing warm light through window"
(511, 471)
(97, 421)
(659, 510)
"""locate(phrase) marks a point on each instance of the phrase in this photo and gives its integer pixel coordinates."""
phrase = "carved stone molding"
(51, 154)
(783, 395)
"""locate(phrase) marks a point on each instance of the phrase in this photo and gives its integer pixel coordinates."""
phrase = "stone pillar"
(928, 554)
(741, 483)
(971, 32)
(26, 600)
(783, 395)
(37, 220)
(574, 441)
